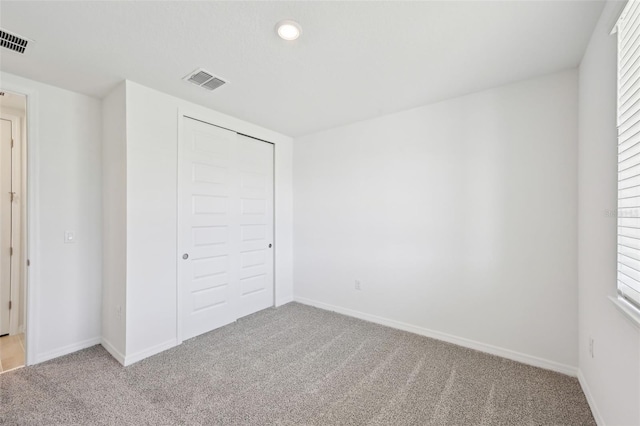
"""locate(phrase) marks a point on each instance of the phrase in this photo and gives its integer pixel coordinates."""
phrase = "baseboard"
(590, 400)
(66, 350)
(112, 350)
(284, 301)
(460, 341)
(146, 353)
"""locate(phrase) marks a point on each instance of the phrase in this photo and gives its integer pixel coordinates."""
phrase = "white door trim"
(31, 250)
(179, 309)
(205, 118)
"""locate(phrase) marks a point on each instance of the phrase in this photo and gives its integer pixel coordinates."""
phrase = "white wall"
(65, 284)
(459, 218)
(152, 135)
(114, 227)
(611, 378)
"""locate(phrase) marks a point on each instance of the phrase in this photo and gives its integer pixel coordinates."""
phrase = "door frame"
(18, 266)
(30, 215)
(182, 114)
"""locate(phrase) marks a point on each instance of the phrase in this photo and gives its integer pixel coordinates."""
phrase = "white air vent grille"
(204, 79)
(213, 84)
(200, 77)
(13, 42)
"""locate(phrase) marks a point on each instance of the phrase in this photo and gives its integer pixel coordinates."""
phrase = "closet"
(225, 226)
(189, 221)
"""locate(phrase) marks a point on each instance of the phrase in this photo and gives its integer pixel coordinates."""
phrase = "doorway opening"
(13, 230)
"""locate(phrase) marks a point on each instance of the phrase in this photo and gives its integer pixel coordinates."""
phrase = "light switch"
(69, 237)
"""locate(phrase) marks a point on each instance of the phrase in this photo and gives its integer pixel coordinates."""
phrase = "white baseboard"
(592, 403)
(66, 350)
(460, 341)
(112, 350)
(146, 353)
(283, 301)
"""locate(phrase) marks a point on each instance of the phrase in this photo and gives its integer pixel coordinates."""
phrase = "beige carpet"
(294, 365)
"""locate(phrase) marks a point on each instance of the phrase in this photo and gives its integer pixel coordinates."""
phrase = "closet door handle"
(185, 256)
(269, 245)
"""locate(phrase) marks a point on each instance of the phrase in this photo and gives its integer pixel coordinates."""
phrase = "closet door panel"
(207, 232)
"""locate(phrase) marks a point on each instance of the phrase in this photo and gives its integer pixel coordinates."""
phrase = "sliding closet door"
(256, 225)
(209, 263)
(225, 229)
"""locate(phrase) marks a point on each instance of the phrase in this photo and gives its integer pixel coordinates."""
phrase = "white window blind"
(628, 28)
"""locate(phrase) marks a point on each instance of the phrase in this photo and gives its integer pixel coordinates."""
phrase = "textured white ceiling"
(355, 60)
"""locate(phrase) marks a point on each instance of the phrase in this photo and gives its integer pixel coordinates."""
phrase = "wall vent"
(13, 42)
(204, 79)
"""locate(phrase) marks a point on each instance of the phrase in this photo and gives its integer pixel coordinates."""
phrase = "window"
(628, 28)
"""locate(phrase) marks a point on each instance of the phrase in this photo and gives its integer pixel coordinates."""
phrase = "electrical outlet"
(591, 346)
(357, 285)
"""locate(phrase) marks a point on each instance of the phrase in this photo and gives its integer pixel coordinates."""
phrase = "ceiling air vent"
(204, 79)
(213, 84)
(13, 42)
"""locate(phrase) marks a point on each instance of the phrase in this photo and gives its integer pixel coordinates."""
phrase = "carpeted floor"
(294, 365)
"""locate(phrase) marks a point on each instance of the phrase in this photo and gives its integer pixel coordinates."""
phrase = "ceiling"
(355, 60)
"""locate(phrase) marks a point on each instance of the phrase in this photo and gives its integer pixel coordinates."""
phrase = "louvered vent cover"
(213, 84)
(13, 42)
(204, 79)
(200, 77)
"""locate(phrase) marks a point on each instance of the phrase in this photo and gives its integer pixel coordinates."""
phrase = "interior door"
(225, 198)
(255, 163)
(5, 224)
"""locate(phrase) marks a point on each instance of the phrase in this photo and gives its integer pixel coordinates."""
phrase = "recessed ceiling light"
(288, 29)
